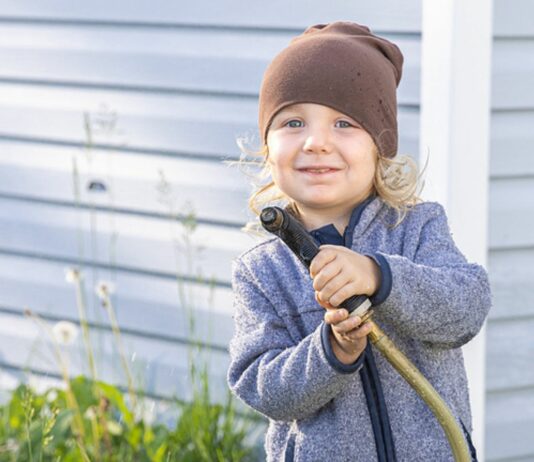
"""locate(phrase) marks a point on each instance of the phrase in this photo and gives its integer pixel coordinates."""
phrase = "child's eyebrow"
(355, 122)
(291, 111)
(283, 114)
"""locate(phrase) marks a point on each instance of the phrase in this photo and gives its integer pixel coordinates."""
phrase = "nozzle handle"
(284, 225)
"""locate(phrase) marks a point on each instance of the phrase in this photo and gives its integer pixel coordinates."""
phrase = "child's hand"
(349, 335)
(339, 273)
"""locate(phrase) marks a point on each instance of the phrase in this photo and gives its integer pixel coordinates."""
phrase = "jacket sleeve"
(438, 297)
(268, 371)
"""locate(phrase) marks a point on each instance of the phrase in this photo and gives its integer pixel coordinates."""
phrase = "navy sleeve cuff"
(386, 280)
(331, 357)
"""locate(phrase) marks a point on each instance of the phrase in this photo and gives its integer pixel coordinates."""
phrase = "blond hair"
(397, 181)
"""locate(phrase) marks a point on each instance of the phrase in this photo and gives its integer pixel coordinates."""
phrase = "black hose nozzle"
(284, 225)
(272, 218)
(290, 230)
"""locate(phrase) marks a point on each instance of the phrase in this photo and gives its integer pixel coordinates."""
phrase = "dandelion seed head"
(65, 332)
(104, 289)
(72, 275)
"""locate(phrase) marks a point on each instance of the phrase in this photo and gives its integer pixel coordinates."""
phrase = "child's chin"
(320, 204)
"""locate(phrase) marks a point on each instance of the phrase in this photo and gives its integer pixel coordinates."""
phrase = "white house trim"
(455, 120)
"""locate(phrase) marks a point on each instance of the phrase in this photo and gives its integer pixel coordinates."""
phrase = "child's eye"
(294, 123)
(344, 124)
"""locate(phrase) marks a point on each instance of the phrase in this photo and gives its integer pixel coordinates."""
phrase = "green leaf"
(61, 429)
(135, 435)
(16, 407)
(84, 391)
(114, 395)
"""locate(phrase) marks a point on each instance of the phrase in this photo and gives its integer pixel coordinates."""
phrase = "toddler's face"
(320, 157)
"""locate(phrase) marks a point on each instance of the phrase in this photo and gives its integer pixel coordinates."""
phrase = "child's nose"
(318, 141)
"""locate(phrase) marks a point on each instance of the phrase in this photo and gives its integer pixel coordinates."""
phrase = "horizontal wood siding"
(510, 343)
(116, 124)
(278, 14)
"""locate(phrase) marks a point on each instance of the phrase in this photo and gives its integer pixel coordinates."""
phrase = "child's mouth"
(318, 170)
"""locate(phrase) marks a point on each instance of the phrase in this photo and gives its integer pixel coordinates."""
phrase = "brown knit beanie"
(341, 65)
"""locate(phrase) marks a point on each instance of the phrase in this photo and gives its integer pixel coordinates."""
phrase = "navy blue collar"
(328, 234)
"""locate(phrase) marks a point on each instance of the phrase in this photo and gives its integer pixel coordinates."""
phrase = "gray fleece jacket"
(282, 367)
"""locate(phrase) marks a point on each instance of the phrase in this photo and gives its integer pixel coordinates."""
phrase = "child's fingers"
(326, 275)
(335, 316)
(338, 290)
(347, 325)
(356, 334)
(325, 256)
(326, 305)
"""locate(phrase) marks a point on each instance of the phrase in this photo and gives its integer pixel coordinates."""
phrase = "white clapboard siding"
(512, 212)
(174, 124)
(138, 243)
(510, 381)
(511, 275)
(511, 351)
(512, 74)
(509, 420)
(512, 18)
(512, 139)
(382, 14)
(160, 368)
(196, 61)
(149, 305)
(509, 340)
(211, 190)
(145, 121)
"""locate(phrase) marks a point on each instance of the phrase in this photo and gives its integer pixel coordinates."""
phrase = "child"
(327, 116)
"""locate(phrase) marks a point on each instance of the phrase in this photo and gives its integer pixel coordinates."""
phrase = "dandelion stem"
(71, 398)
(83, 323)
(106, 302)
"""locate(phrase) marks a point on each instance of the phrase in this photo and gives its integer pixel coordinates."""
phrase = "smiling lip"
(318, 170)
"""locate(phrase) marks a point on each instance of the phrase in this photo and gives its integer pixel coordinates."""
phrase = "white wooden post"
(455, 118)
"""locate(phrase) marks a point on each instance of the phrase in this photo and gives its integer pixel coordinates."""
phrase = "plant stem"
(106, 301)
(83, 323)
(96, 435)
(28, 414)
(82, 451)
(71, 398)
